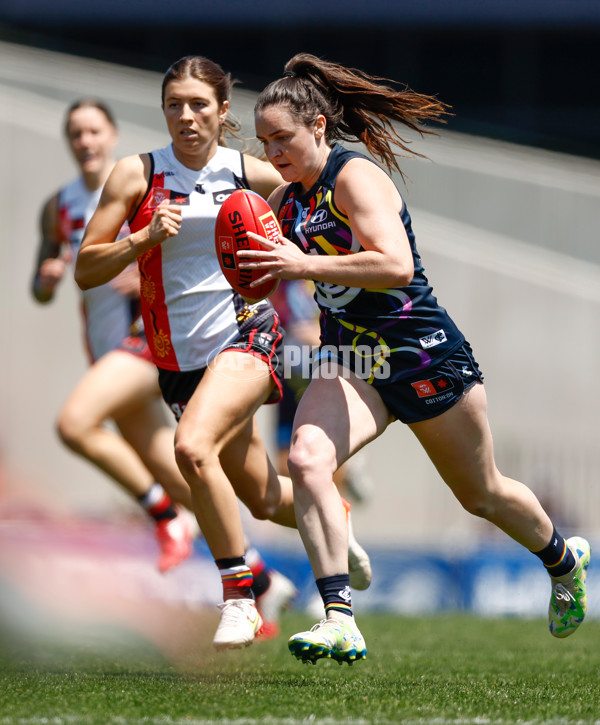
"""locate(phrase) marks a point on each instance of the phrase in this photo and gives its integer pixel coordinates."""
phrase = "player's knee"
(478, 504)
(309, 457)
(483, 497)
(263, 510)
(192, 456)
(186, 457)
(69, 430)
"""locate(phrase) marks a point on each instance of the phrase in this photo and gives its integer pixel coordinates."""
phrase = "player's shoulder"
(361, 166)
(363, 184)
(254, 163)
(361, 174)
(262, 177)
(130, 174)
(131, 165)
(278, 195)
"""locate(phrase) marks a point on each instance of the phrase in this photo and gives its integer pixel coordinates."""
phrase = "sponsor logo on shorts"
(178, 409)
(436, 338)
(438, 399)
(434, 386)
(246, 314)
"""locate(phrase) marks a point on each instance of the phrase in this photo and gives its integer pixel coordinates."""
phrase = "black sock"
(157, 503)
(261, 583)
(336, 594)
(260, 571)
(557, 557)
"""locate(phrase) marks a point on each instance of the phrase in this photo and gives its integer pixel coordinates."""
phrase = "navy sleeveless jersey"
(381, 334)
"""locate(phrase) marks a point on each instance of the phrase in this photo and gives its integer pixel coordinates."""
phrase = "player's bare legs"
(267, 494)
(217, 432)
(335, 418)
(349, 414)
(221, 455)
(459, 443)
(118, 386)
(150, 433)
(139, 456)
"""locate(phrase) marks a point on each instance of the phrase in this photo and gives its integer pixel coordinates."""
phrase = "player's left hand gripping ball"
(242, 212)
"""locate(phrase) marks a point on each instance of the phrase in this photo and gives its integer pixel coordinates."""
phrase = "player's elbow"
(404, 278)
(400, 272)
(82, 278)
(80, 281)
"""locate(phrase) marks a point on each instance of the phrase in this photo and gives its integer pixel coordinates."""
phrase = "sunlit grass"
(450, 669)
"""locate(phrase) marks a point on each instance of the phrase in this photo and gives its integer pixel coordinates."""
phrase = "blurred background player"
(121, 383)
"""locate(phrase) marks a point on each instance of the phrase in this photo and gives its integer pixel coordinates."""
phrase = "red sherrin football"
(244, 211)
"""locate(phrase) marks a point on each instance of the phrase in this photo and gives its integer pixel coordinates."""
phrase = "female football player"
(121, 383)
(389, 350)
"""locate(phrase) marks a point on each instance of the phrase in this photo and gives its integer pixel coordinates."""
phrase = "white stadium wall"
(508, 237)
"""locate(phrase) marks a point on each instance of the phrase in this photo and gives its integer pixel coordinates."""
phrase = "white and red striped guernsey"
(107, 314)
(187, 304)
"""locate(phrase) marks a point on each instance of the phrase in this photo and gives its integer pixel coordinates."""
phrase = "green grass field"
(447, 669)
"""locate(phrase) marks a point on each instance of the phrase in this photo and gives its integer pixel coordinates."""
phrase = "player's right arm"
(50, 267)
(102, 256)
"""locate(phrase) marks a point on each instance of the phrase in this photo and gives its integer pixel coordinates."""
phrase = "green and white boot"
(568, 601)
(330, 638)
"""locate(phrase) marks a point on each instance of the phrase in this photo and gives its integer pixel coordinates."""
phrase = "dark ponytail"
(357, 106)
